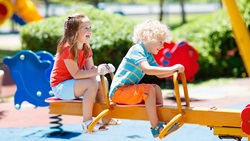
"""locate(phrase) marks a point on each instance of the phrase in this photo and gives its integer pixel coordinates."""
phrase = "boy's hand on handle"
(180, 68)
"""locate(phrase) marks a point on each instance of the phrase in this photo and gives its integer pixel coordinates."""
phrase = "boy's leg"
(159, 99)
(150, 104)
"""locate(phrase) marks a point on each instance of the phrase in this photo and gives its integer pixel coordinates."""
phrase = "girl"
(68, 78)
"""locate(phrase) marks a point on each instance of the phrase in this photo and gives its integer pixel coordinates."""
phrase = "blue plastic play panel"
(46, 56)
(31, 72)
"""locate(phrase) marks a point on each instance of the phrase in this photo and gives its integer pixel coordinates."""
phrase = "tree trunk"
(46, 8)
(183, 14)
(161, 10)
(221, 4)
(95, 2)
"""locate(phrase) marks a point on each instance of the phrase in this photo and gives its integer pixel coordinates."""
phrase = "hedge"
(213, 38)
(110, 40)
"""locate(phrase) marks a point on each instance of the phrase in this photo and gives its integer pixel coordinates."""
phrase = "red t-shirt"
(60, 72)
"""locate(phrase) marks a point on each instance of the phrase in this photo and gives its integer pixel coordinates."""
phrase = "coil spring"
(57, 123)
(230, 137)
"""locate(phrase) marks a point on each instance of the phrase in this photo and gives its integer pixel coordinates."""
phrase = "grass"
(7, 53)
(4, 53)
(212, 82)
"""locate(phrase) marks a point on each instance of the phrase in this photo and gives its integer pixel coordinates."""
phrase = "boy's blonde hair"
(151, 30)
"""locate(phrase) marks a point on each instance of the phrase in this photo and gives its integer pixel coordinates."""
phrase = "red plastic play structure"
(179, 53)
(245, 117)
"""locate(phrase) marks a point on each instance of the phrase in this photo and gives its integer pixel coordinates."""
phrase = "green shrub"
(110, 40)
(42, 35)
(213, 38)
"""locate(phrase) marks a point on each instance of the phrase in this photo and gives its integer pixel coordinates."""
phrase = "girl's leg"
(100, 98)
(150, 104)
(88, 89)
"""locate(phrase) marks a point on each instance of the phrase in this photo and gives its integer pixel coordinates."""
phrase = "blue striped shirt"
(129, 71)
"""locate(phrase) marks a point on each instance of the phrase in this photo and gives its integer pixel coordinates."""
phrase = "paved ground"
(31, 123)
(5, 43)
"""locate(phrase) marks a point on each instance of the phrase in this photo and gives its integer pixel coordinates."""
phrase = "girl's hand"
(102, 70)
(111, 68)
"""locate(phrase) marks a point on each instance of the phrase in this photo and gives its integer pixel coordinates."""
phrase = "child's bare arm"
(165, 76)
(89, 64)
(160, 72)
(77, 73)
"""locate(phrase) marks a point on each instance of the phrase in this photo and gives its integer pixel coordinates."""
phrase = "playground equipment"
(226, 123)
(22, 11)
(245, 116)
(31, 72)
(241, 32)
(1, 82)
(179, 53)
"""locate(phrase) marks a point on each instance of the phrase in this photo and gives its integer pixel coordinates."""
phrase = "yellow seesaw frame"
(225, 122)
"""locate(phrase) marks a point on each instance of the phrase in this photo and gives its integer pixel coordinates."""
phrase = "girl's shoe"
(98, 127)
(112, 121)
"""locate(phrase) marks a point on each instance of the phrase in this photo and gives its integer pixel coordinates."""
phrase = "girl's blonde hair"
(71, 27)
(151, 30)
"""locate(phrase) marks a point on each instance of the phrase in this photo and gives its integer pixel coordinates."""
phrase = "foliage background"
(211, 35)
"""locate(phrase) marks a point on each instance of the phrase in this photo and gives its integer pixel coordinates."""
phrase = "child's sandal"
(112, 121)
(155, 131)
(97, 127)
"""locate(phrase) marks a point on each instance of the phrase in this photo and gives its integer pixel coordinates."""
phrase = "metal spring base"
(230, 137)
(56, 125)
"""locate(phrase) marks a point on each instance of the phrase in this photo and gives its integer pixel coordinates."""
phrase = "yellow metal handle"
(111, 75)
(179, 106)
(105, 91)
(95, 121)
(240, 31)
(106, 111)
(177, 92)
(169, 125)
(185, 89)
